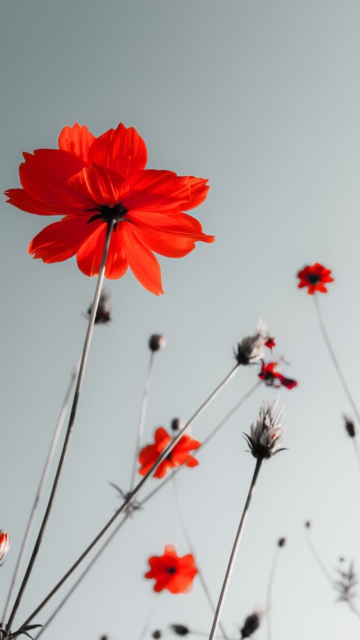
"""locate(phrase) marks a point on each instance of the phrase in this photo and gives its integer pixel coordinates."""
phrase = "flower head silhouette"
(314, 278)
(179, 455)
(172, 572)
(94, 182)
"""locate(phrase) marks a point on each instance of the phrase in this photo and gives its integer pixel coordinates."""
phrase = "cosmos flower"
(273, 378)
(94, 181)
(314, 278)
(172, 572)
(4, 544)
(178, 456)
(251, 348)
(267, 433)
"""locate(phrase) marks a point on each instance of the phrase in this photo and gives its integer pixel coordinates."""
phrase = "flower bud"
(156, 634)
(103, 311)
(177, 424)
(281, 542)
(350, 427)
(180, 629)
(308, 524)
(157, 342)
(251, 624)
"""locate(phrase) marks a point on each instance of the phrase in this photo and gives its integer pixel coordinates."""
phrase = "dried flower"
(273, 378)
(314, 278)
(176, 424)
(251, 348)
(172, 572)
(102, 181)
(281, 542)
(157, 342)
(346, 585)
(267, 433)
(350, 426)
(180, 629)
(251, 624)
(4, 544)
(179, 455)
(103, 311)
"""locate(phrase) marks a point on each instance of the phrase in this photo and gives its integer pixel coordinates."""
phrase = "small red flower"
(178, 456)
(314, 278)
(273, 378)
(171, 572)
(92, 181)
(270, 343)
(4, 544)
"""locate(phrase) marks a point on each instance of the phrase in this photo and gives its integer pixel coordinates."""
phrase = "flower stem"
(132, 495)
(334, 359)
(70, 424)
(148, 619)
(192, 550)
(269, 591)
(234, 551)
(357, 453)
(317, 558)
(142, 419)
(43, 479)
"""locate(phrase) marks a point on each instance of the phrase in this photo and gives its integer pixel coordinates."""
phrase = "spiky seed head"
(251, 348)
(267, 432)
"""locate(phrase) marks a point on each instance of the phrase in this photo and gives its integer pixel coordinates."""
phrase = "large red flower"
(179, 455)
(92, 181)
(314, 278)
(171, 572)
(273, 378)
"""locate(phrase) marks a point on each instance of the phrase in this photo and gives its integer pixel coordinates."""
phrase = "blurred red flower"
(178, 456)
(172, 572)
(92, 181)
(273, 378)
(314, 278)
(4, 544)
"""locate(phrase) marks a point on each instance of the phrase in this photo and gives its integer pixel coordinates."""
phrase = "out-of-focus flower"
(94, 182)
(178, 456)
(251, 624)
(314, 278)
(350, 426)
(4, 544)
(308, 524)
(251, 348)
(281, 542)
(180, 629)
(103, 311)
(157, 342)
(172, 572)
(346, 585)
(273, 378)
(156, 634)
(267, 433)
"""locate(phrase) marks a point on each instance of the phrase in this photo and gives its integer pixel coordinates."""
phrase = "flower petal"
(76, 140)
(102, 186)
(122, 150)
(22, 200)
(142, 262)
(61, 240)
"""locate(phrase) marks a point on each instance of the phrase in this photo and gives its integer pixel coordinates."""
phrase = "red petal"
(152, 189)
(99, 184)
(192, 462)
(199, 191)
(76, 140)
(121, 150)
(162, 439)
(60, 240)
(90, 254)
(166, 244)
(22, 200)
(116, 263)
(45, 176)
(142, 262)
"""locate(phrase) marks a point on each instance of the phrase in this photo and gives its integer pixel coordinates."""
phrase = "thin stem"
(353, 609)
(269, 592)
(334, 359)
(142, 419)
(43, 479)
(70, 424)
(234, 551)
(193, 552)
(148, 619)
(132, 495)
(317, 558)
(357, 452)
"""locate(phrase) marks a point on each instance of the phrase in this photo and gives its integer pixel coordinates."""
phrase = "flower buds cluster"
(267, 433)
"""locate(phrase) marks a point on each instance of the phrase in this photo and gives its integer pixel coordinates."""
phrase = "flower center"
(106, 213)
(313, 278)
(171, 570)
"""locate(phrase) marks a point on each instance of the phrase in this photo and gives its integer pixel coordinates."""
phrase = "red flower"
(314, 278)
(178, 456)
(273, 378)
(270, 343)
(4, 544)
(92, 181)
(171, 572)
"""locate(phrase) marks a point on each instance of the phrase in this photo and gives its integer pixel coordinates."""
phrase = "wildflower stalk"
(317, 557)
(335, 360)
(131, 495)
(43, 479)
(357, 452)
(79, 382)
(269, 591)
(148, 619)
(142, 418)
(235, 550)
(193, 552)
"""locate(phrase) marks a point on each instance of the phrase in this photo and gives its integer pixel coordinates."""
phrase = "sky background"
(262, 98)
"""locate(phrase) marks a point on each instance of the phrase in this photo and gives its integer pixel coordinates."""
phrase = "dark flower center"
(108, 214)
(313, 278)
(171, 570)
